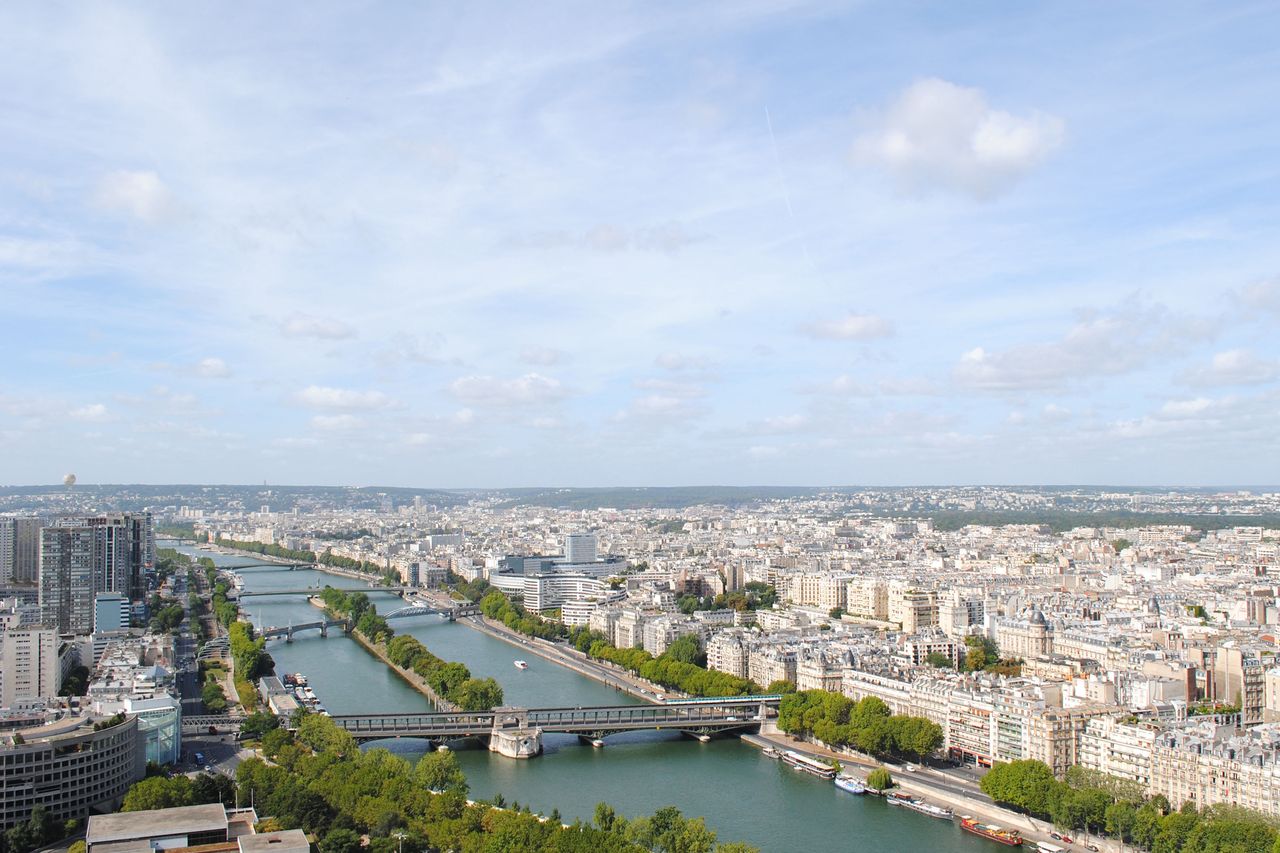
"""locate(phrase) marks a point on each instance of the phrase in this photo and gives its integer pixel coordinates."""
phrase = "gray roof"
(275, 842)
(182, 820)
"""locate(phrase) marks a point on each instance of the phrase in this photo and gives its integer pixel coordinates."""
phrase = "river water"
(741, 794)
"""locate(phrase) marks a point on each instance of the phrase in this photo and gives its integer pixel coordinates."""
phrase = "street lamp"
(401, 837)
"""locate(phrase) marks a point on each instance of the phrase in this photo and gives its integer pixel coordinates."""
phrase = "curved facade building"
(69, 769)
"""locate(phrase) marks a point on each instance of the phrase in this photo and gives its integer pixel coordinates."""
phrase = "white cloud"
(672, 388)
(1263, 295)
(142, 195)
(850, 327)
(541, 356)
(418, 439)
(1178, 409)
(212, 368)
(1054, 412)
(1234, 367)
(321, 397)
(762, 451)
(337, 423)
(940, 136)
(308, 326)
(677, 362)
(532, 389)
(92, 413)
(1098, 344)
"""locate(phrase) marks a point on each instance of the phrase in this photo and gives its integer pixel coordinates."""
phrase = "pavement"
(221, 753)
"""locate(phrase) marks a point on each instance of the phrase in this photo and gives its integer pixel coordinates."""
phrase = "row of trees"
(249, 654)
(867, 725)
(678, 668)
(497, 606)
(357, 607)
(166, 792)
(1101, 804)
(320, 782)
(674, 669)
(449, 679)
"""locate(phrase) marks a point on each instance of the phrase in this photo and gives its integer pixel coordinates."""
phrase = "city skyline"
(770, 243)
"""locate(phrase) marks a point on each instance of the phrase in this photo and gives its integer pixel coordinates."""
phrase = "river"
(741, 794)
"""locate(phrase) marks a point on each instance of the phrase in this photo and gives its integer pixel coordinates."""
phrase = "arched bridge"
(289, 630)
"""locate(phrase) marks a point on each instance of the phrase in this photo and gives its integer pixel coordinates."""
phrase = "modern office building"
(71, 571)
(110, 612)
(580, 548)
(19, 549)
(69, 769)
(29, 664)
(83, 556)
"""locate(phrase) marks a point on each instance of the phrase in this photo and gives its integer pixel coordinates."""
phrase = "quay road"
(568, 656)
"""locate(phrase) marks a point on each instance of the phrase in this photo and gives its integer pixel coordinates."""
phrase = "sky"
(751, 242)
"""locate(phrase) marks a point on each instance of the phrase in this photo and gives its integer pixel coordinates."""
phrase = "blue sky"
(555, 244)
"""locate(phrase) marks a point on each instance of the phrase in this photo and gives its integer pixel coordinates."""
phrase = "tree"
(1026, 784)
(880, 779)
(605, 816)
(940, 660)
(340, 841)
(439, 771)
(159, 792)
(1119, 820)
(258, 724)
(782, 685)
(477, 694)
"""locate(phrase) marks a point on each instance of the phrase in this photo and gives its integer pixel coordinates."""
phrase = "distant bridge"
(265, 564)
(314, 590)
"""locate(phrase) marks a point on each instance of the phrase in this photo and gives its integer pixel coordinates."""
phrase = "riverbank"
(414, 680)
(562, 656)
(920, 784)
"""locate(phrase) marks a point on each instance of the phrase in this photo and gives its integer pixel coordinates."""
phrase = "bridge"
(449, 611)
(264, 564)
(220, 723)
(289, 630)
(517, 732)
(700, 719)
(313, 590)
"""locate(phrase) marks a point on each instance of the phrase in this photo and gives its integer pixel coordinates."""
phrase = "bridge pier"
(516, 743)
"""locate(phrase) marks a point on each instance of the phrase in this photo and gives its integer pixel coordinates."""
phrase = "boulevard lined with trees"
(1104, 805)
(867, 725)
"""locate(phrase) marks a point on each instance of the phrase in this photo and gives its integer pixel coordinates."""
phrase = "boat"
(805, 764)
(940, 812)
(770, 752)
(898, 798)
(521, 665)
(299, 679)
(1000, 835)
(849, 784)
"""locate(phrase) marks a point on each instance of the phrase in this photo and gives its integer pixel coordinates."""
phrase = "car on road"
(208, 768)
